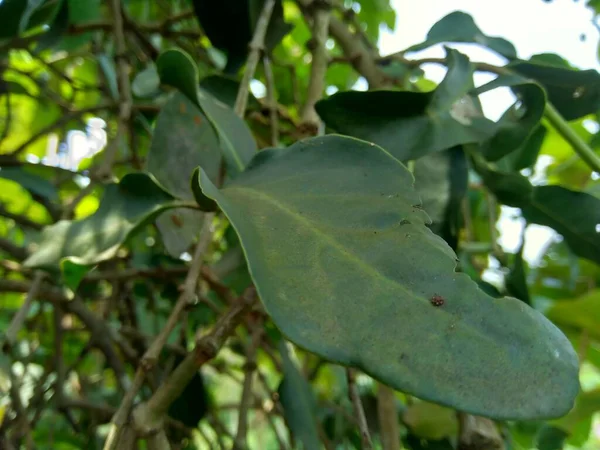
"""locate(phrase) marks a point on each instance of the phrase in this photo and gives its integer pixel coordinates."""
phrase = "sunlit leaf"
(126, 206)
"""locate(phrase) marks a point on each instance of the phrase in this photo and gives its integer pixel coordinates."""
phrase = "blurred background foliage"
(59, 106)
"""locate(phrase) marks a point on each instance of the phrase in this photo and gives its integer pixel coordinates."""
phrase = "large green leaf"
(177, 69)
(411, 124)
(518, 122)
(574, 93)
(336, 242)
(126, 206)
(298, 401)
(183, 140)
(460, 27)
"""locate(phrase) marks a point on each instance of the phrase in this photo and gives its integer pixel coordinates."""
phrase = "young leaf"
(337, 246)
(574, 93)
(411, 124)
(460, 27)
(125, 207)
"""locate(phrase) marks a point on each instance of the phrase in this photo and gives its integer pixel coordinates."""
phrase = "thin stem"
(358, 410)
(272, 101)
(19, 318)
(250, 367)
(257, 45)
(318, 69)
(388, 418)
(581, 148)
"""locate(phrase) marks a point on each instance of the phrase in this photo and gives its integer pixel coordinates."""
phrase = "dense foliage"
(241, 251)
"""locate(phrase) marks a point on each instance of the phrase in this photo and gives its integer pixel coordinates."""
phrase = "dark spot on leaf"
(176, 220)
(182, 108)
(405, 222)
(437, 300)
(197, 120)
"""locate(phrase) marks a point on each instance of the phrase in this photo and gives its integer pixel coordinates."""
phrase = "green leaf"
(573, 214)
(526, 155)
(430, 421)
(550, 438)
(298, 401)
(146, 83)
(336, 244)
(81, 13)
(183, 140)
(582, 313)
(574, 93)
(57, 29)
(516, 280)
(518, 122)
(411, 124)
(73, 273)
(177, 69)
(441, 180)
(225, 90)
(31, 181)
(125, 207)
(460, 27)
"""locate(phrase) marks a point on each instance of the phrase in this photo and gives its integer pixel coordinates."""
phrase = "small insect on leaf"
(437, 300)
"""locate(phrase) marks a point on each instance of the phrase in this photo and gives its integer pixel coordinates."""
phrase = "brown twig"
(257, 46)
(249, 368)
(149, 416)
(358, 410)
(316, 83)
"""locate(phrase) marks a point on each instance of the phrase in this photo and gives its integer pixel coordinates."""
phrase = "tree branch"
(149, 416)
(151, 356)
(257, 46)
(318, 69)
